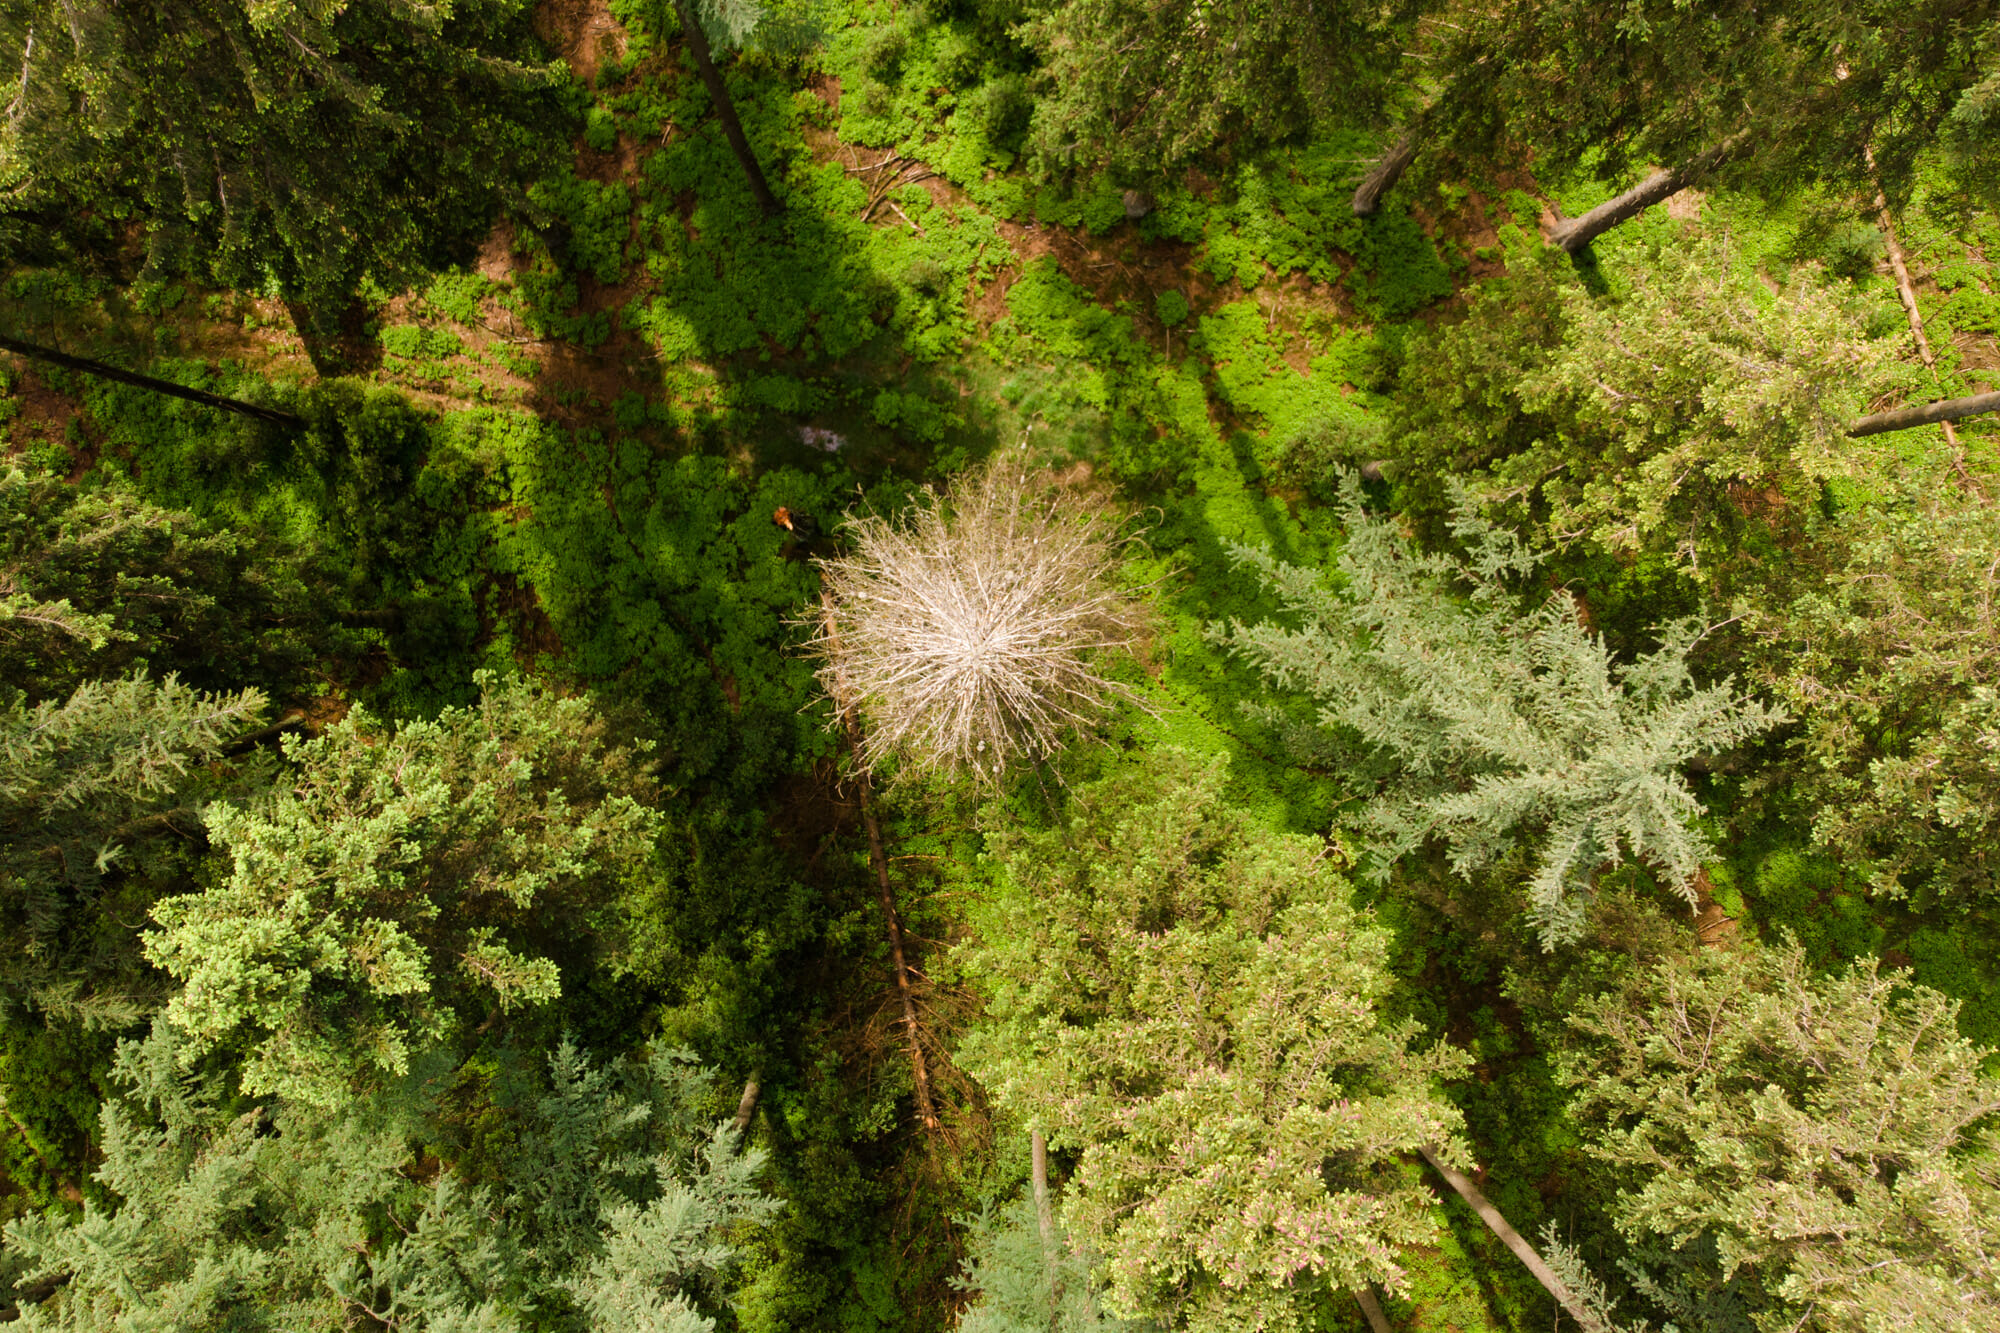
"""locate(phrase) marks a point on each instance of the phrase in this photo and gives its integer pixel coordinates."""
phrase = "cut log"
(1574, 234)
(1387, 172)
(1511, 1238)
(1904, 418)
(84, 365)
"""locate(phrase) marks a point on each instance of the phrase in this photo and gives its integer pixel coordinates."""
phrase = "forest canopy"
(752, 667)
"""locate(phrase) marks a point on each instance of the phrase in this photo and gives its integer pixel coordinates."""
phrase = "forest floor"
(635, 384)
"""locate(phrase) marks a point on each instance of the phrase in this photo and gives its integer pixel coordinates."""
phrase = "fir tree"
(1500, 726)
(1832, 1135)
(617, 1208)
(1186, 1002)
(399, 881)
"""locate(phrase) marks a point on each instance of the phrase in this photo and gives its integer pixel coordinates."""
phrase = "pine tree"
(1149, 89)
(98, 795)
(1186, 1002)
(400, 882)
(1831, 1135)
(1500, 726)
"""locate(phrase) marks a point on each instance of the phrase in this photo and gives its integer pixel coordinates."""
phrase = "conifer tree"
(311, 143)
(400, 882)
(615, 1205)
(99, 795)
(97, 582)
(1501, 726)
(1186, 1003)
(1831, 1135)
(1149, 89)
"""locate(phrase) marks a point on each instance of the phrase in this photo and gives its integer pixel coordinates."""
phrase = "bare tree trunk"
(1573, 234)
(84, 365)
(1906, 292)
(1372, 1308)
(1385, 175)
(1903, 418)
(746, 1108)
(1509, 1237)
(926, 1110)
(1038, 1171)
(878, 858)
(1045, 1215)
(725, 109)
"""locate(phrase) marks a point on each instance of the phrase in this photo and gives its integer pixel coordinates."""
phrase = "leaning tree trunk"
(725, 110)
(84, 365)
(1511, 1238)
(1904, 418)
(1387, 172)
(1574, 234)
(1372, 1309)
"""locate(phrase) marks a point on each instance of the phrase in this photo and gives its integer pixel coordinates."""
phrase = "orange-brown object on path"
(802, 526)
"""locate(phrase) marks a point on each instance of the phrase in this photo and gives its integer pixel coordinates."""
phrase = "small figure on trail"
(802, 526)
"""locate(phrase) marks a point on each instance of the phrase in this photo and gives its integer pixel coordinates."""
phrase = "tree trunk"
(877, 857)
(1385, 175)
(725, 110)
(84, 365)
(1045, 1215)
(1903, 418)
(1372, 1308)
(1906, 292)
(1574, 234)
(746, 1108)
(1510, 1238)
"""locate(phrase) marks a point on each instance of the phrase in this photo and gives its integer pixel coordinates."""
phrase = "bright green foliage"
(401, 882)
(1017, 1286)
(1244, 77)
(612, 1209)
(1833, 1135)
(96, 794)
(313, 144)
(1890, 660)
(1186, 1001)
(98, 583)
(1498, 725)
(1658, 418)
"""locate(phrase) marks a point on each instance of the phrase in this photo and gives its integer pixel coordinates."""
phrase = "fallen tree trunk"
(84, 365)
(1574, 234)
(1387, 172)
(1511, 1238)
(1904, 418)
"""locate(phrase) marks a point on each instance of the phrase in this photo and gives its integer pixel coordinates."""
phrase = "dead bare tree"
(969, 637)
